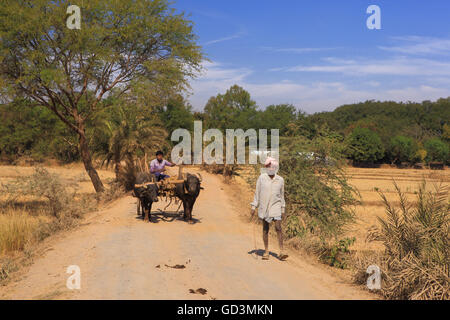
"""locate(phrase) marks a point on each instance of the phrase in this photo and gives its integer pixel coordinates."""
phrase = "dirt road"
(122, 257)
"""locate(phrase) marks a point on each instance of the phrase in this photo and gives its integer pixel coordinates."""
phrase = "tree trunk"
(87, 160)
(117, 166)
(147, 169)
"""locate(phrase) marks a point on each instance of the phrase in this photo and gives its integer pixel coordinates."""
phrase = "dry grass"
(409, 278)
(16, 230)
(73, 173)
(370, 181)
(415, 236)
(38, 202)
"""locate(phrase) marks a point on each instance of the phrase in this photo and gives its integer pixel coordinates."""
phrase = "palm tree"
(133, 132)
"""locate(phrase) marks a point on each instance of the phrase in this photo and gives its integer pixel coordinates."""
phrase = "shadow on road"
(167, 216)
(260, 252)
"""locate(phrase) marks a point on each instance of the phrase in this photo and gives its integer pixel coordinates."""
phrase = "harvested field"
(367, 181)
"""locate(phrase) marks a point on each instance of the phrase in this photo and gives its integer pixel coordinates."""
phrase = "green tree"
(364, 146)
(176, 114)
(232, 110)
(388, 118)
(121, 44)
(304, 125)
(403, 149)
(278, 117)
(34, 131)
(446, 132)
(132, 131)
(319, 200)
(437, 150)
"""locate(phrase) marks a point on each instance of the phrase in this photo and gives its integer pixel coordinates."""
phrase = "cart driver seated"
(158, 166)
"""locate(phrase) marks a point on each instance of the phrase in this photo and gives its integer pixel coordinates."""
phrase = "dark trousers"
(161, 176)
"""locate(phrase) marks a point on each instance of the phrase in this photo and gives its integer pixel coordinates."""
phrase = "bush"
(318, 198)
(36, 207)
(337, 254)
(416, 239)
(45, 185)
(41, 195)
(420, 155)
(365, 146)
(403, 149)
(437, 150)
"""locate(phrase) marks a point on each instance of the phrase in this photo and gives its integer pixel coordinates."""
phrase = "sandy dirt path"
(122, 257)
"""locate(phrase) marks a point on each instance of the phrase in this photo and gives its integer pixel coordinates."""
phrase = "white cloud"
(409, 77)
(310, 97)
(295, 50)
(400, 66)
(217, 78)
(217, 71)
(420, 46)
(419, 93)
(228, 38)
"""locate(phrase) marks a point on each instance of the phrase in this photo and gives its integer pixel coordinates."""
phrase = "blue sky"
(318, 55)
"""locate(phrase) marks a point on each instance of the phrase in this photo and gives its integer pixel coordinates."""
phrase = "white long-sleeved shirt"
(269, 197)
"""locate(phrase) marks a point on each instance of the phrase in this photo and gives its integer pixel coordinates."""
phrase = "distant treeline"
(369, 132)
(392, 132)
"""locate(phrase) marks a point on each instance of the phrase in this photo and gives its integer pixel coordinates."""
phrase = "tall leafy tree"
(364, 145)
(403, 149)
(419, 121)
(437, 150)
(176, 114)
(36, 132)
(131, 132)
(446, 132)
(278, 117)
(121, 44)
(232, 110)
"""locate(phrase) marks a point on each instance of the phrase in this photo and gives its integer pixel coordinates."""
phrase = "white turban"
(271, 166)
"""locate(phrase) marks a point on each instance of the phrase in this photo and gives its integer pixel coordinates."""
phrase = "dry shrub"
(60, 198)
(126, 175)
(7, 266)
(416, 260)
(113, 192)
(37, 206)
(361, 260)
(227, 171)
(319, 200)
(16, 230)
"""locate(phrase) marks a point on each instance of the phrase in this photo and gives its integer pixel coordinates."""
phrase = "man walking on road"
(269, 199)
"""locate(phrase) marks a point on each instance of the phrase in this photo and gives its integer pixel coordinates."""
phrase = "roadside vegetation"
(89, 104)
(319, 199)
(415, 263)
(37, 206)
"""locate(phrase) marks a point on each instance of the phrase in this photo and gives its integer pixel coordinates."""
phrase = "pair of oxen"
(147, 192)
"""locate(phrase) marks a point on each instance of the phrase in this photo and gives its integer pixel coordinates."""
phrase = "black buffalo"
(188, 192)
(146, 195)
